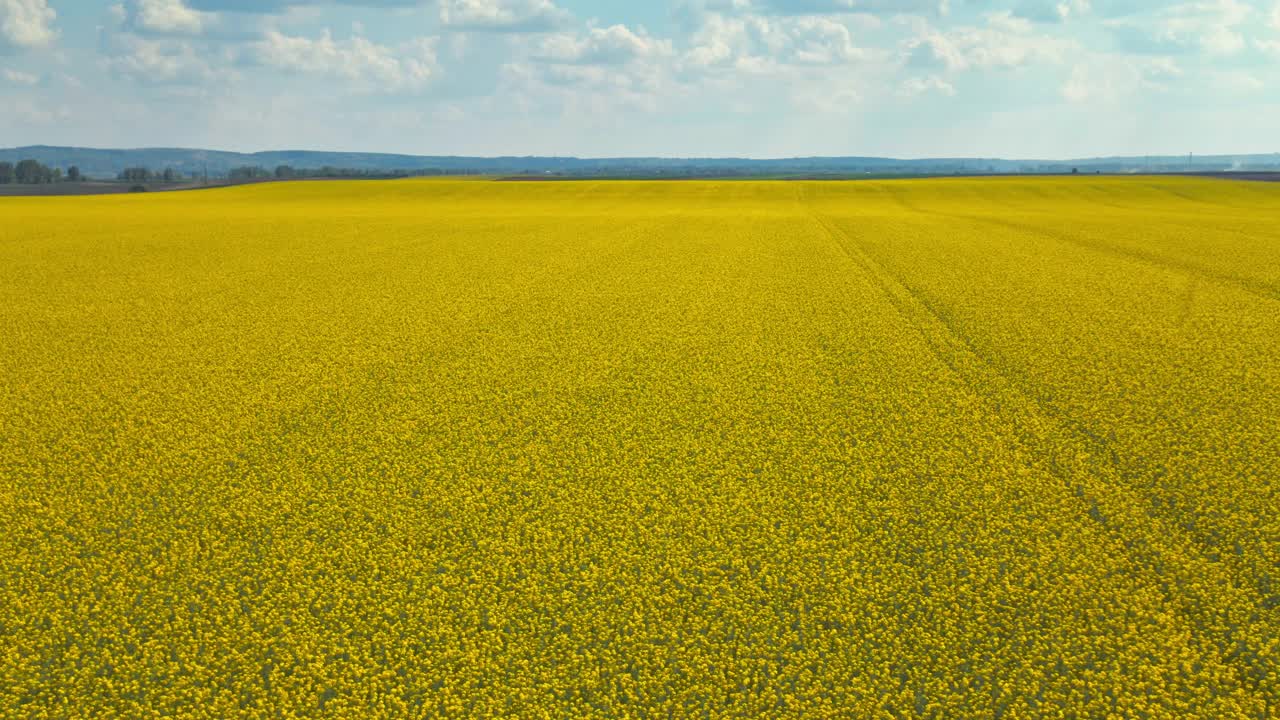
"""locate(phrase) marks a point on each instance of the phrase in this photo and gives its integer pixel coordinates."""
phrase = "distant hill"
(107, 163)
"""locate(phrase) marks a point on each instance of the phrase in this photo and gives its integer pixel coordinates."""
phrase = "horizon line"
(745, 158)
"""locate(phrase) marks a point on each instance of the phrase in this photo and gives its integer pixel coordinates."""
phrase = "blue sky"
(758, 78)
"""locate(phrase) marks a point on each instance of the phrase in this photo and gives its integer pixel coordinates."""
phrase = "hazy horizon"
(759, 79)
(659, 156)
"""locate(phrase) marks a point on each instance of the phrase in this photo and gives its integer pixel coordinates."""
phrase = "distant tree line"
(34, 172)
(245, 173)
(142, 174)
(288, 172)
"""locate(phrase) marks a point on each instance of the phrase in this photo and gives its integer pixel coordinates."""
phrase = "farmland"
(959, 448)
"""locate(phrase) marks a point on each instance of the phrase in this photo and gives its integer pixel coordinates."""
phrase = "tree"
(73, 174)
(6, 173)
(33, 172)
(135, 174)
(170, 176)
(26, 172)
(284, 172)
(248, 172)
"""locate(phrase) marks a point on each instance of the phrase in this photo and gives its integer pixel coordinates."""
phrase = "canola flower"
(997, 448)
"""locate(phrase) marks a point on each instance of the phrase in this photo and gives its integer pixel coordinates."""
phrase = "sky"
(676, 78)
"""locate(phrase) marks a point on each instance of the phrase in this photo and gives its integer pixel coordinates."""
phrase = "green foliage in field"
(941, 449)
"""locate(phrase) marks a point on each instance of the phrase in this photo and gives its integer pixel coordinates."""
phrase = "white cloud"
(26, 24)
(600, 72)
(503, 15)
(821, 41)
(532, 88)
(1082, 87)
(915, 86)
(31, 112)
(936, 51)
(1113, 79)
(613, 45)
(755, 63)
(827, 100)
(1239, 82)
(156, 60)
(825, 7)
(1211, 26)
(155, 42)
(1004, 42)
(760, 44)
(365, 64)
(1223, 41)
(718, 41)
(17, 77)
(1271, 45)
(1052, 11)
(165, 16)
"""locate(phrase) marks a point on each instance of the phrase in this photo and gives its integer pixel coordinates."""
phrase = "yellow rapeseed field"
(994, 448)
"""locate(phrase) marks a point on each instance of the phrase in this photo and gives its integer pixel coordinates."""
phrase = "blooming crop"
(942, 449)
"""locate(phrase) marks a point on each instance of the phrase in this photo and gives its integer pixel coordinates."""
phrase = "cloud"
(164, 16)
(503, 15)
(1005, 42)
(31, 112)
(816, 64)
(936, 51)
(1212, 26)
(1111, 79)
(160, 42)
(16, 77)
(1267, 45)
(821, 41)
(156, 60)
(761, 44)
(364, 64)
(1051, 11)
(694, 13)
(246, 6)
(915, 86)
(26, 24)
(1239, 82)
(599, 72)
(824, 7)
(613, 45)
(275, 6)
(170, 42)
(532, 88)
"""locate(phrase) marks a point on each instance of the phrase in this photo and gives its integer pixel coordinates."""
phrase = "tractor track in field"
(1150, 542)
